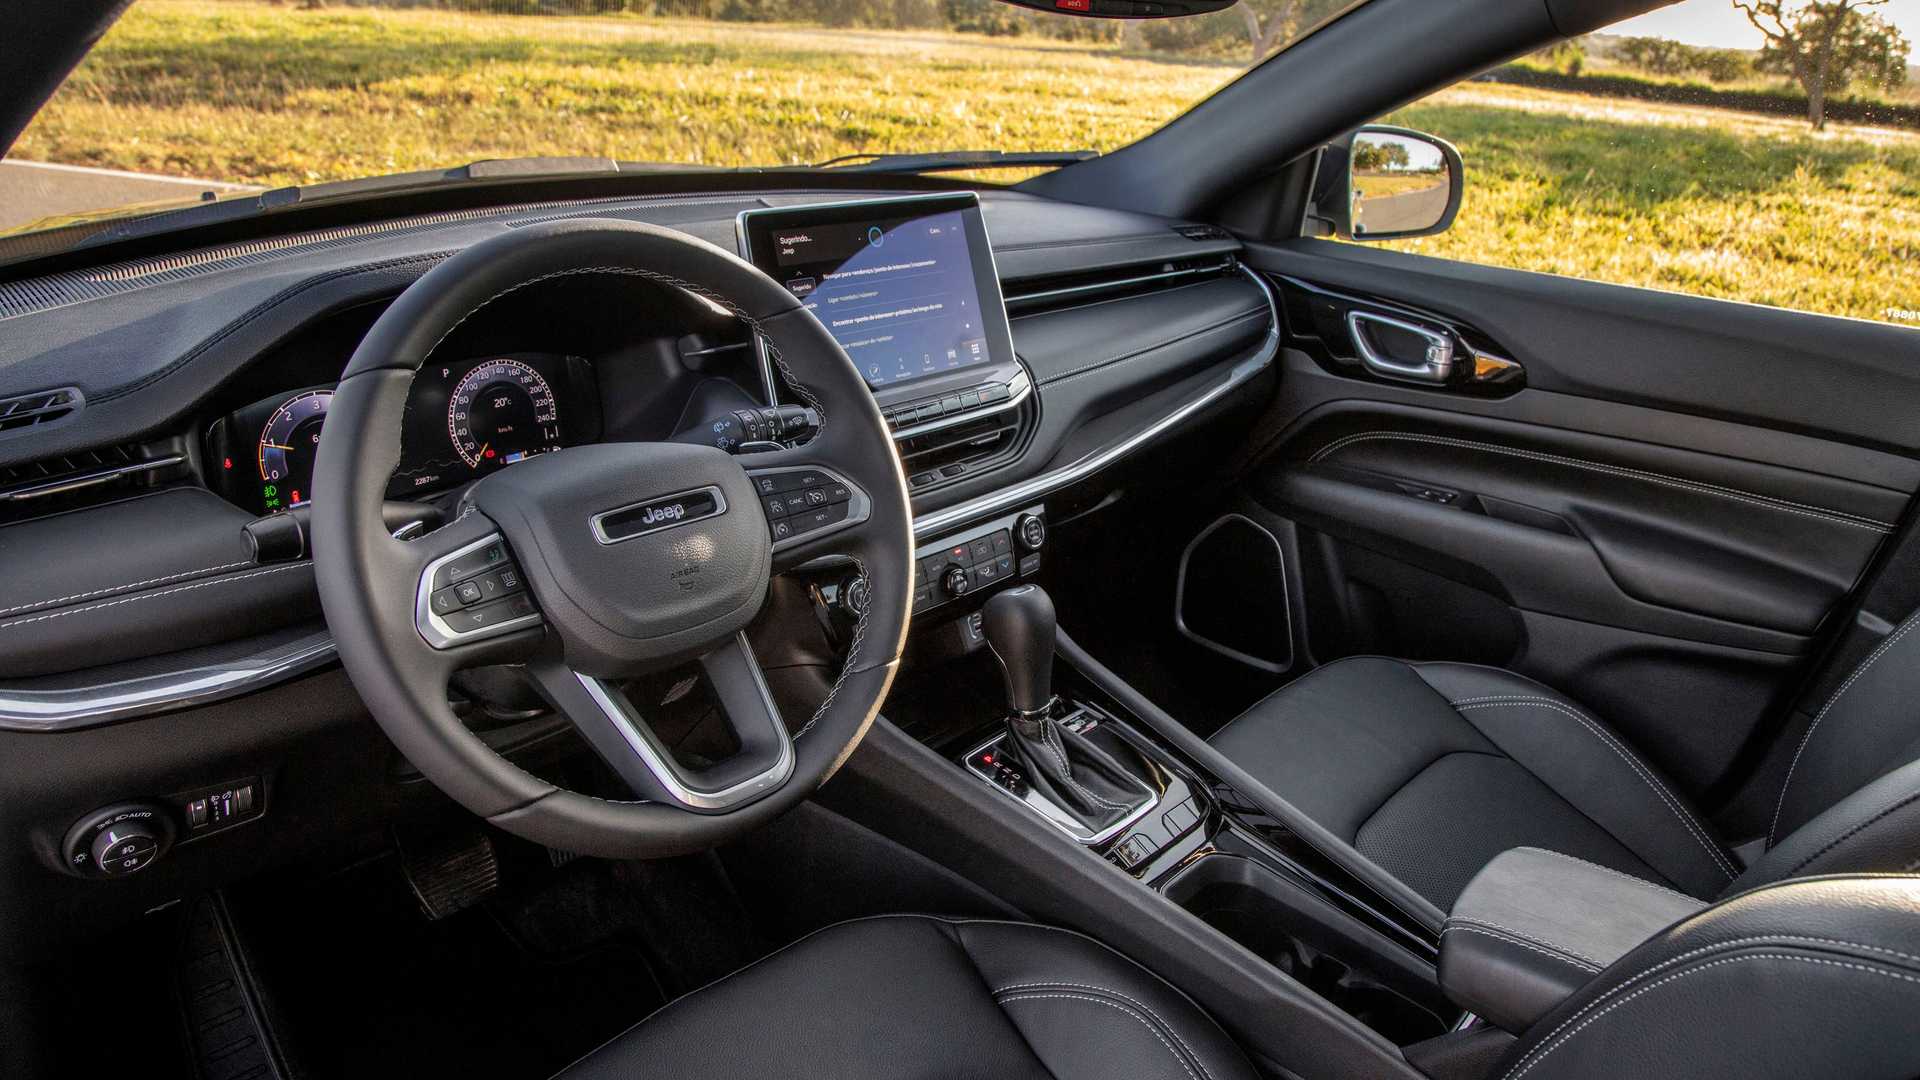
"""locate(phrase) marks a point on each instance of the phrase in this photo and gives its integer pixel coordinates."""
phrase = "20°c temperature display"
(501, 412)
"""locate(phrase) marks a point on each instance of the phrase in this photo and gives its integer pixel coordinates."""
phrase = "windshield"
(191, 99)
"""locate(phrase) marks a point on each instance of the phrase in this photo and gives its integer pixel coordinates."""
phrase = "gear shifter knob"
(1019, 628)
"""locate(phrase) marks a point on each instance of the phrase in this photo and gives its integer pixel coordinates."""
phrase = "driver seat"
(914, 996)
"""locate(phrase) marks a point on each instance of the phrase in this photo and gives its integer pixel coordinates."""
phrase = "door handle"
(1434, 366)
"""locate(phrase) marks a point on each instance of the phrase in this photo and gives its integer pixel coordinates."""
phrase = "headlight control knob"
(116, 841)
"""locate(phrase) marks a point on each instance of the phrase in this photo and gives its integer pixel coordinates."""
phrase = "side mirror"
(1389, 183)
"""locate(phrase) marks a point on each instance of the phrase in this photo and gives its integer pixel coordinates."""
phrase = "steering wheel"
(596, 564)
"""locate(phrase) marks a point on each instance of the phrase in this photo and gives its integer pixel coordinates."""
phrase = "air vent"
(61, 483)
(1203, 232)
(1061, 290)
(44, 407)
(964, 451)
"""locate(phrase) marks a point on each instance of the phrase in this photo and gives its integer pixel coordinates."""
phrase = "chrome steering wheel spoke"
(604, 713)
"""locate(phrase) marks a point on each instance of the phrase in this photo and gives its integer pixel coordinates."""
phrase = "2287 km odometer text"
(501, 412)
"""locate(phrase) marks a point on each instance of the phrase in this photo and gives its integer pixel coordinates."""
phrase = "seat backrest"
(1817, 977)
(1851, 798)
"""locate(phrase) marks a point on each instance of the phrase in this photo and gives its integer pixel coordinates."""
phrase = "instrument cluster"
(463, 420)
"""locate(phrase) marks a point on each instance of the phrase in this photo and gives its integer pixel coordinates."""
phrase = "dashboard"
(161, 635)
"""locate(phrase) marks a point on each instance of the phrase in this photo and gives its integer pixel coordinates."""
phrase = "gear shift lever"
(1077, 776)
(1019, 626)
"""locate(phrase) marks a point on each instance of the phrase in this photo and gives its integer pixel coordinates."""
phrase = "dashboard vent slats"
(40, 407)
(57, 483)
(1067, 289)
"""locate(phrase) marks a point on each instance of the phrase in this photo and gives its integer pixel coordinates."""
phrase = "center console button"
(956, 581)
(1032, 531)
(980, 550)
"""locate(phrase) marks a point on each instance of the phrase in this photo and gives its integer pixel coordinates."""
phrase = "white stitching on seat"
(57, 601)
(1540, 1053)
(1778, 807)
(1148, 1024)
(1526, 941)
(1170, 1029)
(230, 579)
(1785, 506)
(1621, 874)
(1775, 939)
(1686, 819)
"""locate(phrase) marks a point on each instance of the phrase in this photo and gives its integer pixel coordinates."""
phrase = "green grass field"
(1723, 204)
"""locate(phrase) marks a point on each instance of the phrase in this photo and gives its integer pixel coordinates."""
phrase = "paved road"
(1405, 212)
(31, 190)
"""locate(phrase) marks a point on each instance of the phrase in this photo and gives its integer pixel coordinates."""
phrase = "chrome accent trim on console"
(89, 706)
(931, 524)
(656, 760)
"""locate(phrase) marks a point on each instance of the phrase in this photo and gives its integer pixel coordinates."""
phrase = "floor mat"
(357, 982)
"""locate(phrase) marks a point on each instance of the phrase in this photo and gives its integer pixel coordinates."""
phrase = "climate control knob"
(956, 581)
(1031, 530)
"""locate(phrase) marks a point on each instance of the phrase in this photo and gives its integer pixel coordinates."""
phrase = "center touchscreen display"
(898, 284)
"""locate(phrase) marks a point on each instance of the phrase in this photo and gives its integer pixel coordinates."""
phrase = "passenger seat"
(1432, 769)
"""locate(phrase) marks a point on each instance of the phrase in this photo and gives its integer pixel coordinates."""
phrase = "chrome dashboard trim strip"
(1225, 263)
(929, 525)
(62, 484)
(90, 706)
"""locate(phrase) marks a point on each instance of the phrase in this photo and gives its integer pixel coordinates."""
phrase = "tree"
(1273, 23)
(1826, 45)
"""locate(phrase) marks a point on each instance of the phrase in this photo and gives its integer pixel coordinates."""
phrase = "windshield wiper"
(954, 161)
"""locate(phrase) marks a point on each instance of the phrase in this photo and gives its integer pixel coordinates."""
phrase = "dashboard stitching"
(55, 602)
(1768, 502)
(260, 309)
(156, 595)
(1085, 369)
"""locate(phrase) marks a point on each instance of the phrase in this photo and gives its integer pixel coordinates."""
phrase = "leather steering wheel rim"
(367, 578)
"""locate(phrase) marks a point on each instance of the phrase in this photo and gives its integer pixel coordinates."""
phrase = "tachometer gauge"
(501, 412)
(288, 445)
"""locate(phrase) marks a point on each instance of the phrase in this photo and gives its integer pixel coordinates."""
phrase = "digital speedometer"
(501, 412)
(288, 445)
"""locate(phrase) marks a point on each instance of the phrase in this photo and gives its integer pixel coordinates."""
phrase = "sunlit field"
(1724, 204)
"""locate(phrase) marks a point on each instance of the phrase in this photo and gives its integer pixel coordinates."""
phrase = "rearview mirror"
(1397, 183)
(1126, 9)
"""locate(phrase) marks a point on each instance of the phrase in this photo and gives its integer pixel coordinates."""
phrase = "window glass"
(1679, 151)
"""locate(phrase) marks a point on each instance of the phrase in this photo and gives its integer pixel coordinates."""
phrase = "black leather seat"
(1432, 769)
(915, 996)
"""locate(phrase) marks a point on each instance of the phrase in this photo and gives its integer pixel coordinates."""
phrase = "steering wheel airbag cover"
(662, 594)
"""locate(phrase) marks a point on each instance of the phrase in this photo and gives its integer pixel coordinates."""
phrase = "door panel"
(1644, 521)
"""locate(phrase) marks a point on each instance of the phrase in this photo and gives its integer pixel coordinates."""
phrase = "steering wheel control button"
(800, 502)
(477, 591)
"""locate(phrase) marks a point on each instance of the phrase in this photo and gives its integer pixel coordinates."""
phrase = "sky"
(1715, 22)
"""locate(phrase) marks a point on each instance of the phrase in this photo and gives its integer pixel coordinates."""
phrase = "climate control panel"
(979, 559)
